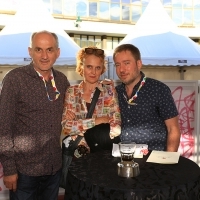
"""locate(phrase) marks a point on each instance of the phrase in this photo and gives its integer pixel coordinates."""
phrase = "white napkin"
(164, 157)
(138, 151)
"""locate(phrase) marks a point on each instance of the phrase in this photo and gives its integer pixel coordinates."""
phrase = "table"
(94, 177)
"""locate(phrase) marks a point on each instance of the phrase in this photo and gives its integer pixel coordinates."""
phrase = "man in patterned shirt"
(148, 111)
(31, 106)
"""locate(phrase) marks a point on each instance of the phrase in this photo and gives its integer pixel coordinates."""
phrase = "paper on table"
(138, 153)
(164, 157)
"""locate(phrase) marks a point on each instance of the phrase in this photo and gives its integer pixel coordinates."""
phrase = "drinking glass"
(127, 149)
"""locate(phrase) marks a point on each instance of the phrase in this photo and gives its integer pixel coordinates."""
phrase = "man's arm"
(7, 117)
(173, 137)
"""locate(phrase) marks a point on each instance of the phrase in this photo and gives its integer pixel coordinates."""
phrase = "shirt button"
(128, 120)
(128, 106)
(126, 133)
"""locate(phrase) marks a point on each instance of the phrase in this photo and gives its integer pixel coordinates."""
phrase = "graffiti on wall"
(185, 102)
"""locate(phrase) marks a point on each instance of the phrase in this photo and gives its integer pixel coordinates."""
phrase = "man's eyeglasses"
(97, 52)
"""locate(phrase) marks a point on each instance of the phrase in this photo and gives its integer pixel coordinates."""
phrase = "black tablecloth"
(94, 177)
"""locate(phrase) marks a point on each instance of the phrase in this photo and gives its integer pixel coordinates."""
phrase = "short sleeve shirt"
(144, 122)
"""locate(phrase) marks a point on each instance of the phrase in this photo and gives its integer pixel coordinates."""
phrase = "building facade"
(104, 23)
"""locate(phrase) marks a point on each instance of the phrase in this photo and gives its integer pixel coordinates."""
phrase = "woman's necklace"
(132, 99)
(91, 88)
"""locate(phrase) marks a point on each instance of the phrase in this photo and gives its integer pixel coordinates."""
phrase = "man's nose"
(122, 67)
(44, 54)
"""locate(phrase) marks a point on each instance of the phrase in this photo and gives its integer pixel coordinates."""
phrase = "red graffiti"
(185, 102)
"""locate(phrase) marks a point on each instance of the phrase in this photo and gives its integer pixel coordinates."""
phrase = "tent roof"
(167, 48)
(159, 40)
(33, 16)
(155, 19)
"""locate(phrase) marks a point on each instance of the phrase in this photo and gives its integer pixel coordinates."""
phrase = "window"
(115, 12)
(177, 4)
(126, 1)
(69, 8)
(187, 18)
(104, 10)
(145, 2)
(182, 12)
(115, 1)
(167, 2)
(196, 4)
(187, 4)
(83, 41)
(48, 5)
(77, 39)
(136, 13)
(112, 42)
(57, 6)
(136, 2)
(109, 43)
(88, 40)
(81, 8)
(91, 41)
(177, 15)
(93, 9)
(115, 42)
(196, 16)
(95, 40)
(125, 12)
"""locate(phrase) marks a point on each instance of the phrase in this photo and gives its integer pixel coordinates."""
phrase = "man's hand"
(11, 182)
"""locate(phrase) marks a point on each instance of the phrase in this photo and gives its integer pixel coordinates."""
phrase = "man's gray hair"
(44, 31)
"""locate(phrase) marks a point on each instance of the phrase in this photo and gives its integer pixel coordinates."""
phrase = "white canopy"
(159, 40)
(32, 16)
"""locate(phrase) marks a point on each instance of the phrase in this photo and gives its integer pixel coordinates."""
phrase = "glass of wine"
(127, 149)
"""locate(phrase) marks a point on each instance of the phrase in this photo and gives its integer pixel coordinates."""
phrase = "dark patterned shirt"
(30, 124)
(144, 123)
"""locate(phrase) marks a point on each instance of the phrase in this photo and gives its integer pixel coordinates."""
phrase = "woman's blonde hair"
(81, 55)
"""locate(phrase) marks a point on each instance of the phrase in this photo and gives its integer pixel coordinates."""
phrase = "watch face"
(81, 151)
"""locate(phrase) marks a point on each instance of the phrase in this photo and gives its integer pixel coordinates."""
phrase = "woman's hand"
(102, 120)
(107, 82)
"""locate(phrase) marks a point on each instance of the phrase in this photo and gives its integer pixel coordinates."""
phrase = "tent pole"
(182, 71)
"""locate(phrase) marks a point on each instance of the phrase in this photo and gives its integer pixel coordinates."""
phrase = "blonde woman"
(91, 65)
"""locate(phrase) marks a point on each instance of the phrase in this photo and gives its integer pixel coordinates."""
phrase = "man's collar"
(137, 84)
(32, 72)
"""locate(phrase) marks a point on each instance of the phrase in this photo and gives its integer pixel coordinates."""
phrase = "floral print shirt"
(107, 104)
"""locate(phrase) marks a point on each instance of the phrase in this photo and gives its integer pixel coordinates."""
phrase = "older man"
(31, 106)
